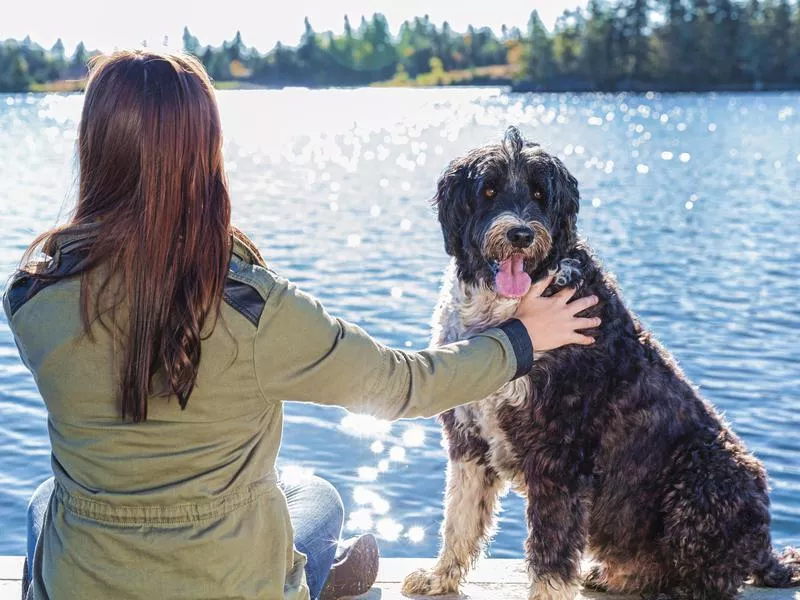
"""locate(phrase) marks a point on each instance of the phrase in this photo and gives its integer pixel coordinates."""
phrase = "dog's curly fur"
(614, 449)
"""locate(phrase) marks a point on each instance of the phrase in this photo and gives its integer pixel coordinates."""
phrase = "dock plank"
(492, 579)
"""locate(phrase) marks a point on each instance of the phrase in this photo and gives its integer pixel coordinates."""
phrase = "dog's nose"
(520, 237)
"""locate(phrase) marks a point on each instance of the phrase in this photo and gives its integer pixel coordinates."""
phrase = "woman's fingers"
(581, 304)
(565, 294)
(583, 340)
(586, 323)
(538, 287)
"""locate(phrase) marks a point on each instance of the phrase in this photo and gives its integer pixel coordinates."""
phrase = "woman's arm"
(302, 353)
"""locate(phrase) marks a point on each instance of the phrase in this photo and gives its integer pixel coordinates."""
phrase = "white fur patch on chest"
(461, 312)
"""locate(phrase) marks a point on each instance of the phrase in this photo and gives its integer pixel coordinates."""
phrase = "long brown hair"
(151, 178)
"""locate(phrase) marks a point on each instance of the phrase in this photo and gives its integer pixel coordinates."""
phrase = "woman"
(163, 348)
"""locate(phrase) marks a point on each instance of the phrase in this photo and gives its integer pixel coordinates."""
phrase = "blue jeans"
(315, 508)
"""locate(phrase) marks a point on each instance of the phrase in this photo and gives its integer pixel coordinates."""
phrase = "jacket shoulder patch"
(24, 286)
(245, 299)
(18, 291)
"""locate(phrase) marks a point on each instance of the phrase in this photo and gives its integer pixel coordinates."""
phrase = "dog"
(613, 448)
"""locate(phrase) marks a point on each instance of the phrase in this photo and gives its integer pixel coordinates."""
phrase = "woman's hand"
(551, 321)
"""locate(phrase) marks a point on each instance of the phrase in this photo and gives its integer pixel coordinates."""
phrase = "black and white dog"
(614, 449)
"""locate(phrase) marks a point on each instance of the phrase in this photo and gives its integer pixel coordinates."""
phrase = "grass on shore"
(499, 74)
(60, 86)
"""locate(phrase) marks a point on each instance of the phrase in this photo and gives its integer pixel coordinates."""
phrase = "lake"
(691, 200)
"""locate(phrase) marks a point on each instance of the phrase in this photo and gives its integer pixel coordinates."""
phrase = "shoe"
(355, 569)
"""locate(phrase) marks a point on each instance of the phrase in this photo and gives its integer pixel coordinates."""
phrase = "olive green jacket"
(185, 505)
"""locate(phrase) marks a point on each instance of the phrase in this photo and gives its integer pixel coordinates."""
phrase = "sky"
(105, 25)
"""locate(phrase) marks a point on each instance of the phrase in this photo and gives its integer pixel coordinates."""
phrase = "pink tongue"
(512, 281)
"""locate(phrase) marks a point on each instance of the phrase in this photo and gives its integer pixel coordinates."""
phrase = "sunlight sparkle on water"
(414, 437)
(389, 530)
(416, 534)
(367, 473)
(365, 425)
(397, 454)
(377, 447)
(293, 474)
(359, 520)
(365, 496)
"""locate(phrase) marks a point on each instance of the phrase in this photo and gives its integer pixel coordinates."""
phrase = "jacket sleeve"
(302, 353)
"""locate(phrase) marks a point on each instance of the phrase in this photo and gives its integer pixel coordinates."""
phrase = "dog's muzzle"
(512, 246)
(520, 237)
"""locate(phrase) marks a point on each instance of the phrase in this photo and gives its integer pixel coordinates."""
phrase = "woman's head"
(150, 139)
(151, 177)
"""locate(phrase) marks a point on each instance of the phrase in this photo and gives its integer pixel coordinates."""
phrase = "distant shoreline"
(635, 46)
(77, 85)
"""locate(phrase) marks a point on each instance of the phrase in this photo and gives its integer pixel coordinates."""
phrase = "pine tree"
(308, 50)
(236, 49)
(778, 30)
(58, 56)
(79, 60)
(597, 61)
(567, 42)
(750, 54)
(539, 63)
(794, 69)
(191, 44)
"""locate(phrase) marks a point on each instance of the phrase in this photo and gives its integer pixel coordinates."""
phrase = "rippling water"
(690, 199)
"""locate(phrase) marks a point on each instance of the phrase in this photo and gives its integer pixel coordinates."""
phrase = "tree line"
(608, 45)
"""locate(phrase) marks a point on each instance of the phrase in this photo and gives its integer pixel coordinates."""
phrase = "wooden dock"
(493, 579)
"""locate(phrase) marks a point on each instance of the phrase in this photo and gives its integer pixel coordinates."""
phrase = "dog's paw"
(429, 583)
(568, 273)
(553, 588)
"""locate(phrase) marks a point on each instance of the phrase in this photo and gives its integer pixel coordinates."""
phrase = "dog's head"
(508, 212)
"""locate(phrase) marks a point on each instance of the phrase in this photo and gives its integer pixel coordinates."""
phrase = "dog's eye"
(490, 192)
(538, 195)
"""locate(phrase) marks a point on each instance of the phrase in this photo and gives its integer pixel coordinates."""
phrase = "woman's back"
(176, 504)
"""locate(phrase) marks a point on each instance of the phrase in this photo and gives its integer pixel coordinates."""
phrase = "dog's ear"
(454, 202)
(565, 206)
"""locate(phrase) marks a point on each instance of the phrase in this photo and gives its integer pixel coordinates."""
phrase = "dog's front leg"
(472, 493)
(557, 533)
